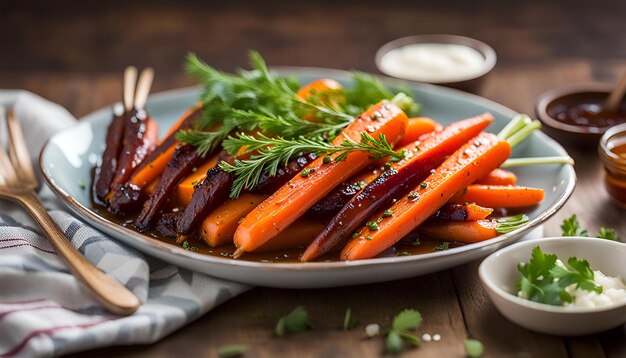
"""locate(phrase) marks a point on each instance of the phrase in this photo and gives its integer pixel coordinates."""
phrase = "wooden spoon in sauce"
(612, 102)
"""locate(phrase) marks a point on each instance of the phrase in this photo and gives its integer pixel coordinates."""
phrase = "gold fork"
(18, 183)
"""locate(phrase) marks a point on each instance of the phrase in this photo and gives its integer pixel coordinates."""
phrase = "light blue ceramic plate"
(69, 156)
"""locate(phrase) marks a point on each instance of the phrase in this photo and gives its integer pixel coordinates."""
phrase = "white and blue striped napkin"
(45, 311)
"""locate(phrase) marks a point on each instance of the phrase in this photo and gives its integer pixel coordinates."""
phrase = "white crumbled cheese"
(613, 291)
(436, 337)
(426, 337)
(372, 329)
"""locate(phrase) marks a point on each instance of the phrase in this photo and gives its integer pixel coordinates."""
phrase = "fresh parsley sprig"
(544, 280)
(401, 330)
(295, 322)
(274, 153)
(571, 227)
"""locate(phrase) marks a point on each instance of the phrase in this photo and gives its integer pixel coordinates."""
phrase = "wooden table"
(75, 56)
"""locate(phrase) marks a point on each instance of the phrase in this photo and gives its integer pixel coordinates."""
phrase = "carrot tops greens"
(544, 280)
(258, 99)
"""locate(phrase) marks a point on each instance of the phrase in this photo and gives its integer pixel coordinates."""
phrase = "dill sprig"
(273, 153)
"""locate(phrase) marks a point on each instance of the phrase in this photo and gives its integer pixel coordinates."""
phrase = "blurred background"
(74, 52)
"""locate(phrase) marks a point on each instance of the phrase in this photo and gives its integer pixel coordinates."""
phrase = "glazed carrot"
(181, 123)
(499, 196)
(329, 87)
(472, 231)
(460, 212)
(185, 188)
(219, 227)
(289, 202)
(416, 128)
(472, 161)
(396, 182)
(154, 164)
(298, 234)
(330, 205)
(498, 176)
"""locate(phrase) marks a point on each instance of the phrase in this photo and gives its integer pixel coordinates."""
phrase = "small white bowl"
(499, 275)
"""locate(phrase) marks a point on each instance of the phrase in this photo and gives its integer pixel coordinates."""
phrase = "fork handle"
(113, 295)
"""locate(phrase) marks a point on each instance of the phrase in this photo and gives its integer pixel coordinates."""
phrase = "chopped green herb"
(416, 242)
(544, 280)
(355, 235)
(403, 253)
(403, 325)
(388, 213)
(443, 246)
(326, 159)
(474, 348)
(361, 184)
(413, 196)
(424, 184)
(82, 185)
(194, 169)
(608, 234)
(348, 321)
(187, 246)
(194, 183)
(379, 220)
(234, 350)
(372, 225)
(571, 227)
(295, 322)
(305, 173)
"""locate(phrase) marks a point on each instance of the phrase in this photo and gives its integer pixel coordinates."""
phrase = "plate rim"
(89, 215)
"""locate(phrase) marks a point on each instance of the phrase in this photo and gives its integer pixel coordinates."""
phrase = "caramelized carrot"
(395, 182)
(185, 189)
(321, 85)
(139, 140)
(416, 128)
(328, 86)
(153, 166)
(219, 227)
(472, 161)
(472, 231)
(462, 231)
(499, 196)
(460, 212)
(289, 202)
(298, 234)
(330, 205)
(498, 176)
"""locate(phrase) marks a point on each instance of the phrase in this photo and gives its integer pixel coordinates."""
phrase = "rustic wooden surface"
(74, 55)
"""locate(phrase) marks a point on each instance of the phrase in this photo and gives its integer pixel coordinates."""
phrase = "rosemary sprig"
(272, 153)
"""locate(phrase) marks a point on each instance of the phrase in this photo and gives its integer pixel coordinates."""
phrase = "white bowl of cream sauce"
(439, 59)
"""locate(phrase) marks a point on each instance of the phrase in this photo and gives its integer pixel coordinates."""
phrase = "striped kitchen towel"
(44, 311)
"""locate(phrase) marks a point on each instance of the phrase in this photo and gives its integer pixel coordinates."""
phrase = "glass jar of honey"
(612, 151)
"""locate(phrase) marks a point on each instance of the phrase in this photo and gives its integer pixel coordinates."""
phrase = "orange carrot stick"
(292, 200)
(185, 188)
(219, 227)
(472, 231)
(499, 196)
(498, 176)
(416, 128)
(298, 234)
(462, 231)
(473, 160)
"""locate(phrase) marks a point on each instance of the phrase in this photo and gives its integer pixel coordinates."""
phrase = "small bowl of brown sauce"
(575, 114)
(612, 151)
